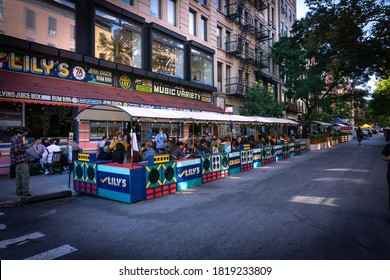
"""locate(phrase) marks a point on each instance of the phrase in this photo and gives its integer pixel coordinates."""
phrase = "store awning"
(322, 123)
(123, 113)
(19, 87)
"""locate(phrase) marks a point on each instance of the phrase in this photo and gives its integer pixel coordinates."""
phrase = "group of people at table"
(119, 150)
(41, 151)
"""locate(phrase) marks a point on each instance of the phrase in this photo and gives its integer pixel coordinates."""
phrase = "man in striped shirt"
(19, 159)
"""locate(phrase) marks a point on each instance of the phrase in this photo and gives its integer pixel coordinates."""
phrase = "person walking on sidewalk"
(359, 134)
(19, 159)
(386, 157)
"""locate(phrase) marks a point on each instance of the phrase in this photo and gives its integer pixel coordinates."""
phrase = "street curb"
(36, 199)
(45, 197)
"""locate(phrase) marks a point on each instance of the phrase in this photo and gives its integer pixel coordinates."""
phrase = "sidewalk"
(42, 187)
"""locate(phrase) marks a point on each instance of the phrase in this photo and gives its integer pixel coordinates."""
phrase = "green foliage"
(260, 102)
(345, 39)
(380, 103)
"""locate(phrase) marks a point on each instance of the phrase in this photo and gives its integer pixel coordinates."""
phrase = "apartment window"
(201, 67)
(228, 35)
(273, 17)
(269, 64)
(119, 40)
(227, 6)
(219, 76)
(2, 11)
(167, 56)
(219, 5)
(273, 67)
(155, 8)
(172, 12)
(282, 29)
(30, 19)
(52, 26)
(37, 23)
(228, 76)
(203, 2)
(192, 23)
(73, 32)
(130, 2)
(219, 37)
(203, 29)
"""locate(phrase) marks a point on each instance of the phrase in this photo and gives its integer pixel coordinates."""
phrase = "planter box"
(315, 147)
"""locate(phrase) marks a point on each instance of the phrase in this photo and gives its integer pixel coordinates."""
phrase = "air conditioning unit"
(52, 33)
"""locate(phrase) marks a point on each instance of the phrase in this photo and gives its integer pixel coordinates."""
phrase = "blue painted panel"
(189, 172)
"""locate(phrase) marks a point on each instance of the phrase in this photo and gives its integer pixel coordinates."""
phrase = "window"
(227, 6)
(192, 23)
(203, 2)
(228, 73)
(172, 12)
(203, 29)
(219, 5)
(167, 55)
(119, 41)
(219, 37)
(52, 27)
(201, 67)
(2, 10)
(73, 32)
(228, 41)
(30, 19)
(155, 8)
(130, 2)
(41, 20)
(99, 129)
(219, 76)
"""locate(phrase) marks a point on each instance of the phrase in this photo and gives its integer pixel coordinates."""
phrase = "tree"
(380, 103)
(260, 102)
(336, 43)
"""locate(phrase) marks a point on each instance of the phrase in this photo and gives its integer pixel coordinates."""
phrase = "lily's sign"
(53, 68)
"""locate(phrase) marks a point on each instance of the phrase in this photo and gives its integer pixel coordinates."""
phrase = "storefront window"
(118, 40)
(10, 120)
(201, 67)
(99, 129)
(42, 120)
(37, 25)
(167, 56)
(172, 130)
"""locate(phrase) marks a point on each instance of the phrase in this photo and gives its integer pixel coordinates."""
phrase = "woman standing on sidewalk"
(386, 157)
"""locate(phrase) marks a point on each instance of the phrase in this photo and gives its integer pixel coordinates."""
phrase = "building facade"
(59, 56)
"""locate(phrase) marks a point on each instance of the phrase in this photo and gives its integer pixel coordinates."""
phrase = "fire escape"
(241, 47)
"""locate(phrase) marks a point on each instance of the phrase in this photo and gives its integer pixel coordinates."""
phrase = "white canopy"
(322, 123)
(123, 113)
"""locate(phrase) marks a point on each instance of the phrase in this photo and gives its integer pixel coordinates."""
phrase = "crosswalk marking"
(7, 242)
(54, 253)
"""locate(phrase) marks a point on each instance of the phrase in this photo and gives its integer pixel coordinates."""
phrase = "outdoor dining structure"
(159, 175)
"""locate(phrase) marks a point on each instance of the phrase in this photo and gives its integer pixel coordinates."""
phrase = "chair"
(55, 163)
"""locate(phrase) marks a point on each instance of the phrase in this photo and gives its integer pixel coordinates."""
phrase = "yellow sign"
(84, 157)
(160, 159)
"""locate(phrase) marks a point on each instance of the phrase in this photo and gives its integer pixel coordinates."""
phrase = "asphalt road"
(324, 205)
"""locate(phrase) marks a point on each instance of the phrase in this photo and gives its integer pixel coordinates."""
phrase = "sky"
(301, 9)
